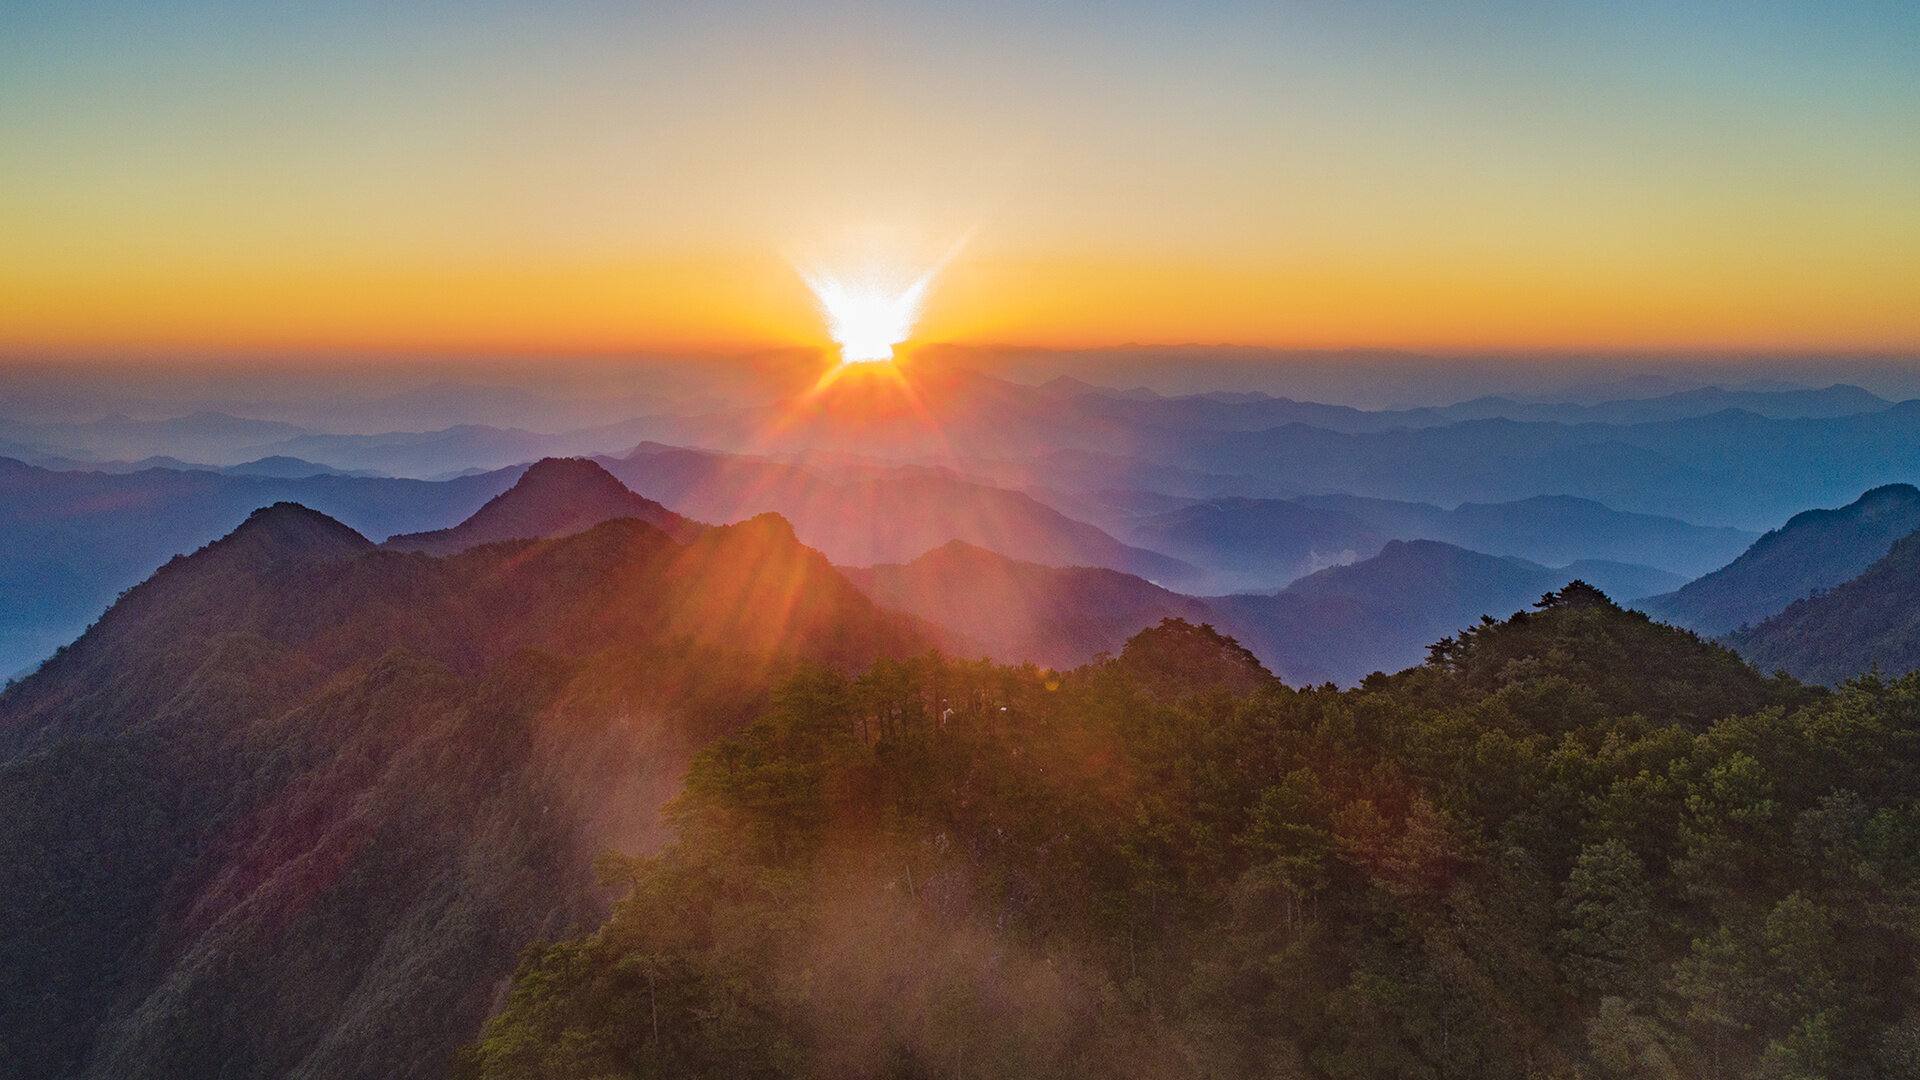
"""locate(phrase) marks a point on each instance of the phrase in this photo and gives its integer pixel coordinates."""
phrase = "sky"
(603, 177)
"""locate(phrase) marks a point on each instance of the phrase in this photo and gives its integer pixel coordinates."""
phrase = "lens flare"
(870, 314)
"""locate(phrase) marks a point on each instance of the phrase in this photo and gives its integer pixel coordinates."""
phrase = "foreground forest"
(1573, 844)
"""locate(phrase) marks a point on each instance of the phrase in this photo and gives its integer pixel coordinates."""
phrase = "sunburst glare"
(868, 315)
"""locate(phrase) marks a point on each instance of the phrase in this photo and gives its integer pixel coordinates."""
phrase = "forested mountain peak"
(288, 531)
(940, 869)
(1578, 654)
(554, 497)
(1895, 498)
(1177, 658)
(555, 474)
(620, 584)
(1576, 594)
(770, 527)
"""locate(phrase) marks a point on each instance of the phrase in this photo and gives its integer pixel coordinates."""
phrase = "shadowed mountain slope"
(554, 497)
(1817, 549)
(287, 468)
(1342, 623)
(1339, 624)
(316, 796)
(1870, 621)
(1258, 543)
(1619, 579)
(1023, 612)
(861, 517)
(1550, 529)
(750, 585)
(1378, 615)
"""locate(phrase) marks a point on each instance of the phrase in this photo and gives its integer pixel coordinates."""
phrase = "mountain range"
(1008, 575)
(76, 539)
(865, 516)
(1679, 456)
(1254, 544)
(313, 797)
(1729, 468)
(1814, 550)
(1024, 612)
(1257, 411)
(1868, 623)
(295, 804)
(1380, 614)
(1551, 529)
(337, 750)
(1336, 625)
(1203, 494)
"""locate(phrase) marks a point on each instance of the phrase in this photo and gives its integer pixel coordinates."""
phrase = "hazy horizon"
(324, 391)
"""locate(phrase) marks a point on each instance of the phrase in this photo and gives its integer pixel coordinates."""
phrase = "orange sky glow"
(580, 180)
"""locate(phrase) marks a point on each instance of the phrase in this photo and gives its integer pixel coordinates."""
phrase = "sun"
(868, 314)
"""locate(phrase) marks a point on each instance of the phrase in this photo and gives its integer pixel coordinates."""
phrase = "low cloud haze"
(369, 395)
